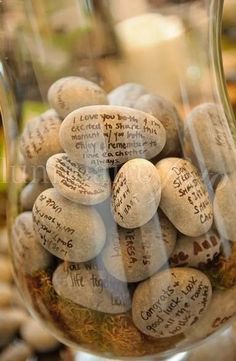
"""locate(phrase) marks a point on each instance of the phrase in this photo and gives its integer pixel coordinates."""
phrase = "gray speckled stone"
(70, 231)
(70, 93)
(126, 94)
(106, 136)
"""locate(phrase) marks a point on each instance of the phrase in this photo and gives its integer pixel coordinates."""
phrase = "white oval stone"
(166, 113)
(30, 193)
(40, 138)
(210, 138)
(28, 254)
(132, 255)
(136, 193)
(224, 206)
(195, 251)
(77, 182)
(70, 93)
(171, 301)
(184, 198)
(126, 94)
(17, 351)
(70, 231)
(106, 135)
(91, 287)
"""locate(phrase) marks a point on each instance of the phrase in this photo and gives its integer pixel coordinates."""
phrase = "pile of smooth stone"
(132, 203)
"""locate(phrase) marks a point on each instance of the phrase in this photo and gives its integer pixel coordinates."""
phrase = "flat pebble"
(132, 255)
(6, 294)
(184, 198)
(40, 139)
(136, 193)
(30, 193)
(70, 93)
(70, 231)
(209, 135)
(106, 136)
(6, 274)
(77, 182)
(171, 301)
(17, 351)
(166, 113)
(28, 254)
(91, 287)
(196, 251)
(126, 94)
(224, 206)
(38, 337)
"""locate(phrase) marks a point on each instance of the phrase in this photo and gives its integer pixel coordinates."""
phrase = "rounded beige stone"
(70, 93)
(6, 294)
(4, 241)
(136, 193)
(17, 351)
(91, 286)
(126, 94)
(103, 136)
(70, 231)
(184, 198)
(30, 193)
(132, 255)
(10, 322)
(76, 182)
(196, 251)
(171, 302)
(6, 274)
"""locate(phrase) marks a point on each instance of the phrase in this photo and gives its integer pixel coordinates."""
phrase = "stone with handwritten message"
(225, 207)
(70, 231)
(106, 136)
(184, 198)
(136, 193)
(126, 94)
(28, 254)
(90, 286)
(196, 251)
(166, 112)
(31, 191)
(40, 138)
(72, 92)
(77, 182)
(207, 132)
(132, 255)
(171, 301)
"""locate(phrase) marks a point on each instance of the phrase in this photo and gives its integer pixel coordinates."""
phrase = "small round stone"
(132, 255)
(224, 206)
(70, 93)
(3, 241)
(30, 193)
(136, 193)
(184, 198)
(17, 351)
(10, 322)
(28, 254)
(91, 286)
(6, 274)
(171, 301)
(6, 294)
(126, 94)
(40, 139)
(37, 337)
(195, 251)
(77, 182)
(209, 136)
(70, 231)
(166, 113)
(106, 136)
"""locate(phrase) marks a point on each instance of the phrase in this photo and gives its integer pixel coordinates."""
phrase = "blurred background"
(21, 338)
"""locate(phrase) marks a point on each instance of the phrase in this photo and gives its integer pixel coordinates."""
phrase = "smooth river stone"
(16, 351)
(5, 269)
(70, 231)
(136, 193)
(196, 251)
(166, 113)
(77, 182)
(30, 193)
(126, 94)
(132, 255)
(106, 135)
(70, 93)
(171, 301)
(40, 138)
(184, 198)
(209, 136)
(91, 287)
(224, 207)
(28, 254)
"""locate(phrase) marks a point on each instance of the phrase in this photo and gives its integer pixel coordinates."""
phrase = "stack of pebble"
(128, 205)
